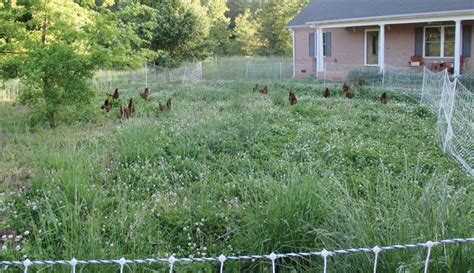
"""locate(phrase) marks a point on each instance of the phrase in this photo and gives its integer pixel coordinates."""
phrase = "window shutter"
(328, 44)
(467, 41)
(419, 41)
(312, 52)
(314, 44)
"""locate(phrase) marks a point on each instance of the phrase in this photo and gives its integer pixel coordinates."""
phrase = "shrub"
(57, 79)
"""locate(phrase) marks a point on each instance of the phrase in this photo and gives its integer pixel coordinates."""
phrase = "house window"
(439, 41)
(313, 45)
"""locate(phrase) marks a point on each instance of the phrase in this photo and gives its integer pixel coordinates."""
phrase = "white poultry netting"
(268, 71)
(192, 73)
(450, 100)
(453, 103)
(447, 98)
(148, 75)
(9, 90)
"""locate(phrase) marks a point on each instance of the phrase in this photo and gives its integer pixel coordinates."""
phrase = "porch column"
(382, 48)
(293, 47)
(457, 49)
(319, 51)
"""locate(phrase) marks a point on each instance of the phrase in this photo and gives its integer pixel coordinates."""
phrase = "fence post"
(184, 74)
(443, 91)
(449, 133)
(280, 69)
(423, 85)
(200, 71)
(146, 75)
(246, 70)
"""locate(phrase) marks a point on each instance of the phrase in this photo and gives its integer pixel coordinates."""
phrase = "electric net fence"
(447, 98)
(454, 106)
(10, 90)
(274, 258)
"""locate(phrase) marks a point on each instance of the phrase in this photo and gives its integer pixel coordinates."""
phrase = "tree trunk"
(44, 27)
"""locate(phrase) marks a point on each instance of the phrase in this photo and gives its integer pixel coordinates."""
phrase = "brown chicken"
(124, 112)
(106, 105)
(131, 107)
(168, 104)
(292, 98)
(345, 87)
(116, 94)
(255, 87)
(349, 95)
(326, 92)
(162, 107)
(263, 90)
(383, 98)
(145, 94)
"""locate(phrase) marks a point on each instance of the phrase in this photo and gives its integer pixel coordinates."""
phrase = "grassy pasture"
(231, 171)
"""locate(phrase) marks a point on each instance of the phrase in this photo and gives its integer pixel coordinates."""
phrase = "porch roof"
(320, 11)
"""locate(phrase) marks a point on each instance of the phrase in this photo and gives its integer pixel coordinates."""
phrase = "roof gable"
(333, 10)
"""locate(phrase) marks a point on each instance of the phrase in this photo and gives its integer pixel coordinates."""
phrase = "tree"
(218, 41)
(274, 15)
(142, 20)
(182, 26)
(246, 40)
(54, 54)
(119, 39)
(56, 78)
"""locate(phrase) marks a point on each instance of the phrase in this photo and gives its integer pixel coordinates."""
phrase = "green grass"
(230, 171)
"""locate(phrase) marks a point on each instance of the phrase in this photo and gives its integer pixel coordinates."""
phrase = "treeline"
(164, 31)
(55, 45)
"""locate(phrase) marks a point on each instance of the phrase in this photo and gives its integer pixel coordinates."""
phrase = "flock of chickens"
(126, 111)
(293, 100)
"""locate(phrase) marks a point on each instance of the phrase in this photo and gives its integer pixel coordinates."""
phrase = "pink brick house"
(383, 33)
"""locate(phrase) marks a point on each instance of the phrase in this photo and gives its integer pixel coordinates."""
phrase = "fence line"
(273, 257)
(453, 105)
(9, 90)
(450, 100)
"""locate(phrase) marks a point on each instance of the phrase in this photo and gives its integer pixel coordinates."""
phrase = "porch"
(404, 43)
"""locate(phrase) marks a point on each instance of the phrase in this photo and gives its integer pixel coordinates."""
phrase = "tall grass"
(230, 171)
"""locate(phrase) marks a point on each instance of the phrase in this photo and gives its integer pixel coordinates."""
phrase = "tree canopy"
(55, 45)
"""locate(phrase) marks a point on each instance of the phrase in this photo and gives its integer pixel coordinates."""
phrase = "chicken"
(124, 112)
(131, 107)
(383, 98)
(162, 107)
(326, 92)
(345, 87)
(263, 90)
(116, 94)
(292, 98)
(349, 95)
(255, 87)
(106, 105)
(145, 94)
(168, 104)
